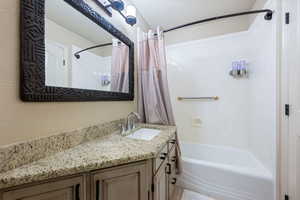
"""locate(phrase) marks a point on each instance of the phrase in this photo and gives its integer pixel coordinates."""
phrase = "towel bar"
(198, 98)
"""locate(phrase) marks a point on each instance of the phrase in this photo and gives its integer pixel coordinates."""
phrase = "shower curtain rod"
(268, 16)
(89, 48)
(93, 47)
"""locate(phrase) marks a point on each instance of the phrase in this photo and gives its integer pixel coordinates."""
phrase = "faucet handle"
(138, 116)
(123, 128)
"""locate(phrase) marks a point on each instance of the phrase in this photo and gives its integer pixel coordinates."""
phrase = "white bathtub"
(224, 173)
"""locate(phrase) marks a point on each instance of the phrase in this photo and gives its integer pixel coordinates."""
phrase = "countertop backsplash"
(19, 154)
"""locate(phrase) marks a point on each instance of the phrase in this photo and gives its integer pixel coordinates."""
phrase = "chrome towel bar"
(198, 98)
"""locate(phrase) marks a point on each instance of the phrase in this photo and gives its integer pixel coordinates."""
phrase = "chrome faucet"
(132, 119)
(130, 124)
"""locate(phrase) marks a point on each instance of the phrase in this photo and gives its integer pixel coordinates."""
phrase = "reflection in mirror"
(80, 54)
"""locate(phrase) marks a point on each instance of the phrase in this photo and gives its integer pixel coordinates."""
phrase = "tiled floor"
(189, 195)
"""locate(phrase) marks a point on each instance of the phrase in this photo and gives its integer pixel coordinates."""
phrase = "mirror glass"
(80, 54)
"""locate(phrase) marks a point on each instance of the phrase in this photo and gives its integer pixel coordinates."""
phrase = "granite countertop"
(108, 151)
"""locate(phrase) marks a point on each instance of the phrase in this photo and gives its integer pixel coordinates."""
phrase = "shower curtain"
(154, 103)
(119, 67)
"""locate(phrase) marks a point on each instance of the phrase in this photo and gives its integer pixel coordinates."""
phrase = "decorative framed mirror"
(71, 53)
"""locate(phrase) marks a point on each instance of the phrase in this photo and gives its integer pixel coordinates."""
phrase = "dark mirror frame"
(32, 84)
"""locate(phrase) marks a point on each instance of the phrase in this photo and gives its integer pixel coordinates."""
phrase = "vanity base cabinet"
(69, 189)
(152, 179)
(164, 180)
(122, 183)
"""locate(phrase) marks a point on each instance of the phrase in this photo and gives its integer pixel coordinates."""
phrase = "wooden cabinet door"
(161, 183)
(121, 183)
(69, 189)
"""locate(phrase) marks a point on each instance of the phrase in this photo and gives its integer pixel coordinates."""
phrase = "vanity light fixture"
(131, 15)
(119, 6)
(116, 4)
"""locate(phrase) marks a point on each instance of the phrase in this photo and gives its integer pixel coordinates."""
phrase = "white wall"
(87, 71)
(94, 61)
(56, 33)
(201, 68)
(214, 28)
(262, 140)
(244, 117)
(205, 30)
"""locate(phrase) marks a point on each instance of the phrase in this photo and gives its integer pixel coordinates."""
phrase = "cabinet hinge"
(286, 197)
(287, 18)
(287, 110)
(152, 187)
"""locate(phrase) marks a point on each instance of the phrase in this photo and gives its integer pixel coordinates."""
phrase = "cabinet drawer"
(69, 189)
(160, 159)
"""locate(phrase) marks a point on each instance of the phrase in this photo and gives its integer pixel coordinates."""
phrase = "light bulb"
(131, 11)
(131, 15)
(117, 4)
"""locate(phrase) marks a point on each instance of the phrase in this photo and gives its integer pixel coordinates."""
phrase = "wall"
(215, 28)
(92, 59)
(22, 121)
(90, 76)
(58, 34)
(262, 141)
(259, 4)
(201, 68)
(61, 35)
(210, 29)
(245, 115)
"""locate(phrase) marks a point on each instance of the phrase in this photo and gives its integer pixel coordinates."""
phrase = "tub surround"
(78, 151)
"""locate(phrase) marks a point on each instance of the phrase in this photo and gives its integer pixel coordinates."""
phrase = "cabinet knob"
(163, 156)
(174, 159)
(173, 141)
(174, 181)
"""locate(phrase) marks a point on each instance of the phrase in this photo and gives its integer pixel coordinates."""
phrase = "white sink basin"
(144, 134)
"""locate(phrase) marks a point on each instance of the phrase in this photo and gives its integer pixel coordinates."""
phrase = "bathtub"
(224, 173)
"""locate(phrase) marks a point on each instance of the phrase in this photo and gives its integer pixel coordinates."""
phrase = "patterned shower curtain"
(154, 104)
(120, 67)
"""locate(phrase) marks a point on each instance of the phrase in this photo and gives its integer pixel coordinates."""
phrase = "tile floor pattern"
(189, 195)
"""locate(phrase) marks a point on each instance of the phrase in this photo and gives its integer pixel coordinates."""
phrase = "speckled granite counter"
(107, 151)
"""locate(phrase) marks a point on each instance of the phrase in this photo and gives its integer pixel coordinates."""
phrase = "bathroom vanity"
(106, 167)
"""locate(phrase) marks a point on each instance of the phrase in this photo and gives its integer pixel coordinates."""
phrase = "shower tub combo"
(224, 173)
